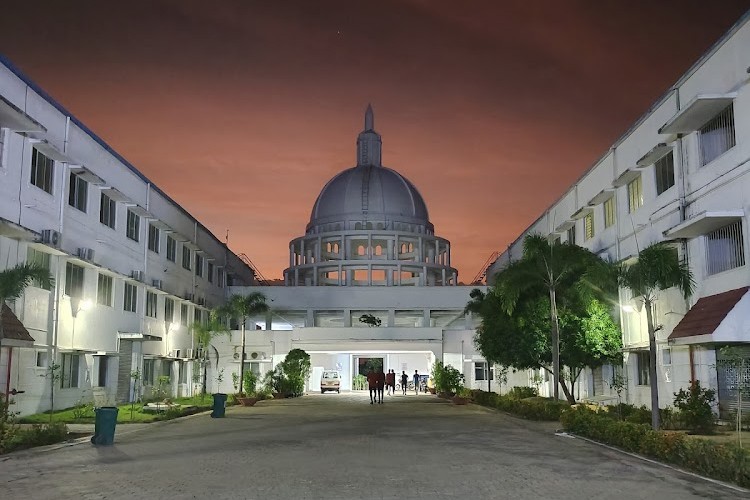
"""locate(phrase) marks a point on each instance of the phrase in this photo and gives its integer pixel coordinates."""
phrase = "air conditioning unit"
(236, 355)
(190, 296)
(157, 284)
(257, 355)
(85, 253)
(174, 353)
(136, 275)
(188, 354)
(51, 237)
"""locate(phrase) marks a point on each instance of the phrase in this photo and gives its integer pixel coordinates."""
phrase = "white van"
(330, 380)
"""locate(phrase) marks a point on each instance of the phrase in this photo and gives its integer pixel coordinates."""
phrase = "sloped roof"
(707, 314)
(12, 327)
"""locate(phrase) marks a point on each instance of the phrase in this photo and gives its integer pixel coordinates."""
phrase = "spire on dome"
(369, 118)
(368, 142)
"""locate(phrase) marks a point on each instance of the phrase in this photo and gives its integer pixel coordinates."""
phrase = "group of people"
(377, 382)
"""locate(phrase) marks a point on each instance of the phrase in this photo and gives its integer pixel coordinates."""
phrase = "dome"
(369, 192)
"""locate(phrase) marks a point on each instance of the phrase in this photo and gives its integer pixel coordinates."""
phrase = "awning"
(14, 333)
(703, 223)
(657, 153)
(626, 177)
(87, 175)
(13, 118)
(720, 318)
(137, 336)
(114, 194)
(697, 113)
(581, 213)
(601, 197)
(12, 230)
(50, 151)
(564, 226)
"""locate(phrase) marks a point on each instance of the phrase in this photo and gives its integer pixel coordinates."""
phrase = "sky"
(242, 110)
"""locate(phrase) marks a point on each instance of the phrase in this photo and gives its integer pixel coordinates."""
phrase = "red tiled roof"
(12, 327)
(707, 314)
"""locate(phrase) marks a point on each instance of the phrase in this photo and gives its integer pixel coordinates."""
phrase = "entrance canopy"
(722, 318)
(14, 333)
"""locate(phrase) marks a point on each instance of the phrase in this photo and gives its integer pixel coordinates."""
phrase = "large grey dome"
(369, 192)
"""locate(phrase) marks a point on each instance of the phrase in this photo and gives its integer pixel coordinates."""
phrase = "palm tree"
(242, 307)
(204, 333)
(549, 267)
(658, 268)
(14, 280)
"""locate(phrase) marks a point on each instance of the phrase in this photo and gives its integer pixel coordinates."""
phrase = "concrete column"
(437, 251)
(269, 321)
(302, 251)
(389, 277)
(398, 270)
(369, 274)
(397, 249)
(389, 249)
(315, 275)
(291, 255)
(296, 276)
(423, 279)
(426, 318)
(391, 317)
(310, 321)
(448, 254)
(341, 278)
(347, 317)
(318, 248)
(443, 282)
(369, 246)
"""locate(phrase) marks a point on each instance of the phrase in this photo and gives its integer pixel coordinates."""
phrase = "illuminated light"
(628, 308)
(173, 326)
(85, 305)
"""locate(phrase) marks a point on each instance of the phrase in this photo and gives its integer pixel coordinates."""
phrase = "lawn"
(86, 416)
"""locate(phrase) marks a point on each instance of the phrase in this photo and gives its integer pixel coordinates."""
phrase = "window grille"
(588, 226)
(107, 211)
(132, 230)
(635, 194)
(572, 235)
(78, 192)
(725, 249)
(717, 136)
(664, 171)
(609, 212)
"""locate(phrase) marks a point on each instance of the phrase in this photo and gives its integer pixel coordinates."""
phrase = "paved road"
(338, 446)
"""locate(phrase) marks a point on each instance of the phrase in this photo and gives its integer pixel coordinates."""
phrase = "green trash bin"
(104, 425)
(220, 400)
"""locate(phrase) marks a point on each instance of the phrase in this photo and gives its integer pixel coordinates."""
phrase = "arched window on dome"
(369, 225)
(403, 248)
(357, 225)
(328, 247)
(336, 248)
(378, 250)
(411, 247)
(361, 250)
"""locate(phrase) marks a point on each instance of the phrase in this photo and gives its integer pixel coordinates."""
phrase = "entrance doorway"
(364, 365)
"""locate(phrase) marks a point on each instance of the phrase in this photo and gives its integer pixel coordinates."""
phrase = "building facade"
(368, 249)
(132, 269)
(681, 174)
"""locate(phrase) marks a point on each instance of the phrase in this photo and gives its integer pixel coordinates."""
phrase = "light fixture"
(628, 308)
(85, 305)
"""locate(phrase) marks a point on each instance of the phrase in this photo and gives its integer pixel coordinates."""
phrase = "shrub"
(250, 380)
(523, 392)
(37, 435)
(446, 378)
(534, 408)
(726, 462)
(695, 408)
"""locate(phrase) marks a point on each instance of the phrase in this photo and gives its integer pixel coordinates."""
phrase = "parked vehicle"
(330, 381)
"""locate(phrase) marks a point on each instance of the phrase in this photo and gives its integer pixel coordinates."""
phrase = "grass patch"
(189, 405)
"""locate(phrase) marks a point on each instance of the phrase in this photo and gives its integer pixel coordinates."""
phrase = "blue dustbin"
(104, 425)
(220, 400)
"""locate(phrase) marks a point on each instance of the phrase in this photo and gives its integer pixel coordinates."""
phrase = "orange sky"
(242, 111)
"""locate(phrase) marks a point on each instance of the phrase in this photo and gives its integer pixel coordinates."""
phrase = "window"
(73, 280)
(481, 373)
(664, 171)
(210, 272)
(182, 372)
(107, 211)
(166, 369)
(69, 368)
(198, 264)
(588, 226)
(134, 225)
(220, 278)
(197, 316)
(168, 309)
(183, 314)
(104, 290)
(186, 257)
(39, 259)
(666, 356)
(572, 235)
(148, 371)
(717, 136)
(42, 169)
(635, 194)
(101, 380)
(610, 216)
(153, 238)
(171, 249)
(41, 359)
(642, 364)
(78, 191)
(725, 249)
(130, 298)
(151, 303)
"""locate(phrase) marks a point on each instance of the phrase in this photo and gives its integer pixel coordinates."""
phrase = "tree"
(14, 280)
(242, 307)
(658, 268)
(204, 333)
(548, 268)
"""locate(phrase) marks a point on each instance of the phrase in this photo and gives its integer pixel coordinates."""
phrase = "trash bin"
(220, 400)
(104, 425)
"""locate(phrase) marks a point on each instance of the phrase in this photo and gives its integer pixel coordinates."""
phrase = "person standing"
(372, 384)
(390, 381)
(416, 382)
(404, 381)
(381, 385)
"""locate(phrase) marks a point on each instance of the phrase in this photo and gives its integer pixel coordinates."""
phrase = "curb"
(87, 439)
(730, 486)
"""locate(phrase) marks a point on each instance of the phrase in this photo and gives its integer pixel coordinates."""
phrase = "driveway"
(337, 446)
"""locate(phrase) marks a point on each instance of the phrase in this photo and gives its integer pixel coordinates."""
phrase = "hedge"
(727, 462)
(533, 408)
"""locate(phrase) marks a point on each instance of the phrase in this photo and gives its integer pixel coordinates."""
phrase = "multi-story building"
(132, 268)
(680, 174)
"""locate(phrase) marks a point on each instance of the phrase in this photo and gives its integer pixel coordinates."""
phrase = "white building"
(369, 248)
(132, 268)
(681, 174)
